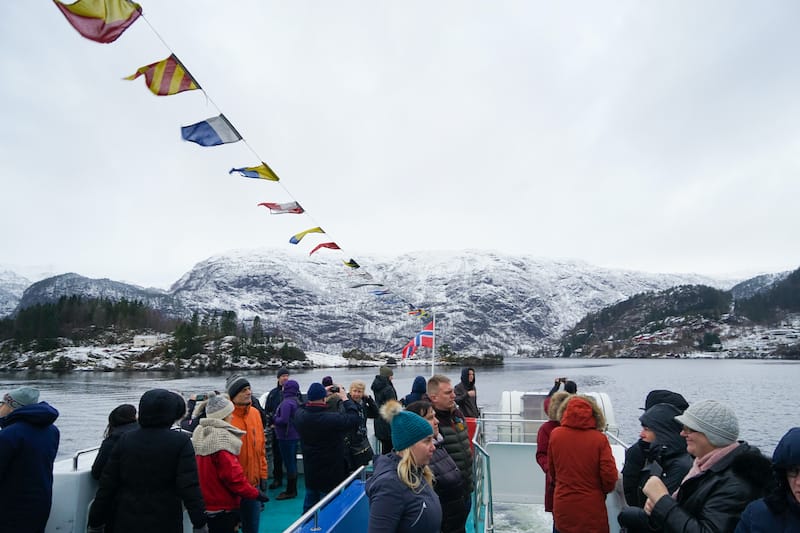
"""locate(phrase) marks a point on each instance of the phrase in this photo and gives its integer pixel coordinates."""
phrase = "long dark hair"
(119, 416)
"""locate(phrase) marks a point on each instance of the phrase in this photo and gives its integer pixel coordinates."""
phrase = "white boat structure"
(505, 470)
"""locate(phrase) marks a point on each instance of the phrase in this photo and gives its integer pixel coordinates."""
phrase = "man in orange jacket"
(253, 455)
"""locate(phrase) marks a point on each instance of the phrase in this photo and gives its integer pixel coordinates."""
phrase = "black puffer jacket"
(384, 391)
(449, 486)
(152, 470)
(713, 500)
(453, 428)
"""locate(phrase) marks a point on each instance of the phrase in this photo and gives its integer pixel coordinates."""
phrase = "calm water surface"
(764, 394)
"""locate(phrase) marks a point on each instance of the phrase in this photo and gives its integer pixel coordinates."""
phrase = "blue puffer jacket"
(779, 511)
(28, 447)
(394, 507)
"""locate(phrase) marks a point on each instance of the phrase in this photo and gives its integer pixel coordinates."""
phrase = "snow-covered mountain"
(485, 302)
(12, 285)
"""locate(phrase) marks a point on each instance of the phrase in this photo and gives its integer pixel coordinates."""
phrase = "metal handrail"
(314, 511)
(486, 478)
(79, 453)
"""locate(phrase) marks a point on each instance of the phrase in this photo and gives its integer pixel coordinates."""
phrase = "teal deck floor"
(278, 515)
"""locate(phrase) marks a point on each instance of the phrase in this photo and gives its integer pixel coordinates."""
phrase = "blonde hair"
(409, 472)
(358, 385)
(435, 381)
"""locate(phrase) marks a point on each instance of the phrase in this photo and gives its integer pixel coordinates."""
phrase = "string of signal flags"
(104, 21)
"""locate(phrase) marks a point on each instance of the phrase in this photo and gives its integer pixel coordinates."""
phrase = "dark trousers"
(277, 458)
(223, 522)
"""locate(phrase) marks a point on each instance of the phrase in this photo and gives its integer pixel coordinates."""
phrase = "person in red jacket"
(222, 481)
(543, 443)
(582, 468)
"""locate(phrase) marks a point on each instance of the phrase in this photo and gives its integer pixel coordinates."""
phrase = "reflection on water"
(763, 393)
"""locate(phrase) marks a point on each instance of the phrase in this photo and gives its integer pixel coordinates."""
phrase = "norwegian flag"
(423, 338)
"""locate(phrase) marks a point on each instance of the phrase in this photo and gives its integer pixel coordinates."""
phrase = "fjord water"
(764, 394)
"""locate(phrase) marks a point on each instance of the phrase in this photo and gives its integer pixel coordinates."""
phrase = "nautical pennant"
(211, 132)
(297, 238)
(282, 209)
(352, 263)
(262, 171)
(330, 245)
(166, 77)
(102, 21)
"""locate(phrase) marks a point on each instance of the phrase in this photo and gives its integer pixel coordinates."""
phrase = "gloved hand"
(96, 529)
(203, 529)
(262, 496)
(634, 518)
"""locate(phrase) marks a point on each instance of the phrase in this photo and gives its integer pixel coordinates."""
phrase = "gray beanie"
(21, 397)
(713, 419)
(218, 407)
(235, 383)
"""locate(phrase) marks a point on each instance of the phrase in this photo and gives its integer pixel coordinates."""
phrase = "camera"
(334, 389)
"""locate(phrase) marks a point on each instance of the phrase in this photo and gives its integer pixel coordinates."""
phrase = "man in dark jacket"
(453, 428)
(322, 441)
(152, 471)
(274, 399)
(467, 395)
(636, 455)
(384, 391)
(28, 447)
(725, 477)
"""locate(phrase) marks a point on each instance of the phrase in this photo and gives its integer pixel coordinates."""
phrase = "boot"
(291, 488)
(277, 482)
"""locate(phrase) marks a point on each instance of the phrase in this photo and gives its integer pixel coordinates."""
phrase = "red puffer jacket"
(222, 481)
(582, 467)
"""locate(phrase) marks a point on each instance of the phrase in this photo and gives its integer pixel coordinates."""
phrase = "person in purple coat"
(287, 436)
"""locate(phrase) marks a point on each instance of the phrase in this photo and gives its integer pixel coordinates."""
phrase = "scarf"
(213, 435)
(702, 464)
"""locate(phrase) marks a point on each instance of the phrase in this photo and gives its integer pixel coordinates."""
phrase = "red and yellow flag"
(102, 21)
(166, 77)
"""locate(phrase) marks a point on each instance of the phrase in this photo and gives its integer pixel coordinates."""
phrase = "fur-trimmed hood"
(214, 435)
(582, 412)
(748, 463)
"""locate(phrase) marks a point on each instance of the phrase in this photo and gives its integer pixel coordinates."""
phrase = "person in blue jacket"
(418, 391)
(779, 511)
(28, 447)
(400, 491)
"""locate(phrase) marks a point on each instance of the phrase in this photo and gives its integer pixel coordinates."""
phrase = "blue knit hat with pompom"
(407, 428)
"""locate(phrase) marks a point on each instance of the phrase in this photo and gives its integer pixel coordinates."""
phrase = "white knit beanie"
(218, 406)
(713, 419)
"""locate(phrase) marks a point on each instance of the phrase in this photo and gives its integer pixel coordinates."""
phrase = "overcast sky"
(656, 136)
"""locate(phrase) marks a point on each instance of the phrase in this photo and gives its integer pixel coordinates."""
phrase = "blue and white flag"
(211, 132)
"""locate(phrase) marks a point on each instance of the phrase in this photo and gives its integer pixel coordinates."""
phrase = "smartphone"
(200, 397)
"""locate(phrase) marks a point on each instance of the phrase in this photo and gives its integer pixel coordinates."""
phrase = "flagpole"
(433, 347)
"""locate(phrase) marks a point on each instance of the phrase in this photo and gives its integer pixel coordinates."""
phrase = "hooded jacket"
(582, 467)
(418, 391)
(778, 511)
(222, 481)
(322, 441)
(253, 456)
(151, 472)
(714, 499)
(28, 447)
(468, 404)
(284, 429)
(384, 391)
(636, 455)
(396, 508)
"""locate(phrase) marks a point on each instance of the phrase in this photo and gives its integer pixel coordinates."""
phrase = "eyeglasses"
(793, 472)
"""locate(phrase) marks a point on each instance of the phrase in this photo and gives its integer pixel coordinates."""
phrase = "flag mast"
(433, 347)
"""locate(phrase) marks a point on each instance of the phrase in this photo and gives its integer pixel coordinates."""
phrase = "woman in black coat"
(120, 420)
(151, 472)
(448, 482)
(384, 390)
